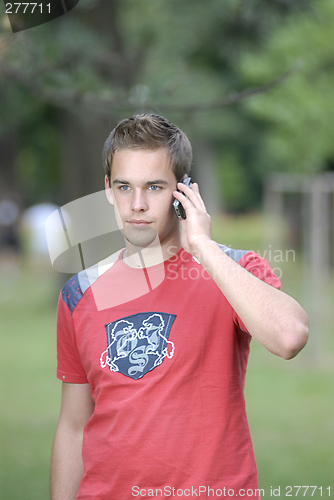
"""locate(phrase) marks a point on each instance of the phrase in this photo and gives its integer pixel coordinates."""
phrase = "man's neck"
(154, 254)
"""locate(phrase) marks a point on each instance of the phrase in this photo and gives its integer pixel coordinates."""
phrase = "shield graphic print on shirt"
(138, 343)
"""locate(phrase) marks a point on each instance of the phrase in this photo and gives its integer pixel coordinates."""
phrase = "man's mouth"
(139, 222)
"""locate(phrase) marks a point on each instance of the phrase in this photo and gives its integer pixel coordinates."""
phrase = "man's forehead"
(143, 165)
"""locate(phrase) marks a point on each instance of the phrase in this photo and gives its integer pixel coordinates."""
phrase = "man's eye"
(124, 188)
(154, 187)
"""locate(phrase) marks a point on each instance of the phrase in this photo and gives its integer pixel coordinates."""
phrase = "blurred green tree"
(297, 119)
(76, 76)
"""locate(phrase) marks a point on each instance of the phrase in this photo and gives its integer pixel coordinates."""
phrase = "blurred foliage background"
(205, 65)
(251, 83)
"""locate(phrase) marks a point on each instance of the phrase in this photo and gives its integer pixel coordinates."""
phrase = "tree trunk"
(83, 141)
(206, 176)
(8, 178)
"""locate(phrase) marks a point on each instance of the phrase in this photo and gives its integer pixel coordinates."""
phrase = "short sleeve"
(69, 367)
(260, 268)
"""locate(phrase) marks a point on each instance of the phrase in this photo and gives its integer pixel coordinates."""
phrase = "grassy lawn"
(290, 403)
(29, 390)
(290, 408)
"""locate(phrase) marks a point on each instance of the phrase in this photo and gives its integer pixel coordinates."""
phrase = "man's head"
(151, 132)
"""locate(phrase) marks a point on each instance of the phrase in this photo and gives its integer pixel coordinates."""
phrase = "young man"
(153, 345)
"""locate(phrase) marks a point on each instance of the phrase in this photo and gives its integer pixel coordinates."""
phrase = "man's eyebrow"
(119, 181)
(148, 183)
(158, 181)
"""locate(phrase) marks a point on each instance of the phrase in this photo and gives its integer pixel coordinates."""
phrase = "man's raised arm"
(272, 317)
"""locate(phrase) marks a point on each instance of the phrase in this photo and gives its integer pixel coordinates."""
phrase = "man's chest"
(170, 329)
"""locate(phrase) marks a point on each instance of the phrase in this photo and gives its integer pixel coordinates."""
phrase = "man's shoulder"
(253, 263)
(75, 288)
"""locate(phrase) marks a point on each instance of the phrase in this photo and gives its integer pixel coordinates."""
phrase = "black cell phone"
(177, 205)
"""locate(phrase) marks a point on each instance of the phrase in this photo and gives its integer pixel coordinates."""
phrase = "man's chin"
(141, 237)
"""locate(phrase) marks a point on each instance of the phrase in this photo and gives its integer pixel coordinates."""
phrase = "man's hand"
(196, 228)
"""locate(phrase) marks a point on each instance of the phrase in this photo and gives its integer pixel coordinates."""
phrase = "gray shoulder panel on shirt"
(231, 252)
(75, 288)
(87, 277)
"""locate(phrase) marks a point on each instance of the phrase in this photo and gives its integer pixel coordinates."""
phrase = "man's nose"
(139, 203)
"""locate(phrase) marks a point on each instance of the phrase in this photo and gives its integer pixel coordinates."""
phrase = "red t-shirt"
(165, 356)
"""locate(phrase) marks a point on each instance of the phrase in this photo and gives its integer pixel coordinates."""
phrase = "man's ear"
(184, 177)
(109, 193)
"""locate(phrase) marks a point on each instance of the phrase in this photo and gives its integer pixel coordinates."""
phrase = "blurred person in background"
(33, 221)
(153, 370)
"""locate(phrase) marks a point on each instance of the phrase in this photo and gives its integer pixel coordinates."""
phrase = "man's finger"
(192, 193)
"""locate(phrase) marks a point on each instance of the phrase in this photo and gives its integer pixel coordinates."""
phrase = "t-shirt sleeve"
(69, 367)
(260, 268)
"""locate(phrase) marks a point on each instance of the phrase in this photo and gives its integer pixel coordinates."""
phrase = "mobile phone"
(177, 205)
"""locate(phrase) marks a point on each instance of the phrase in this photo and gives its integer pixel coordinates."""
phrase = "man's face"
(142, 185)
